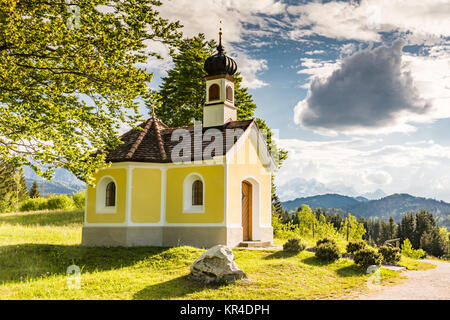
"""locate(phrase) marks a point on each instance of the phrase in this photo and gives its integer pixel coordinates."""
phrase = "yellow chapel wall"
(145, 195)
(213, 176)
(120, 177)
(246, 164)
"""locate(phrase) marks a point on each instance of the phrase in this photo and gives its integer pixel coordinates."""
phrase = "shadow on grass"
(314, 261)
(31, 261)
(175, 288)
(281, 255)
(350, 271)
(45, 218)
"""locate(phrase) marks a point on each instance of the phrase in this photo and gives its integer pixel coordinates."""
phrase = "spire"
(220, 63)
(220, 47)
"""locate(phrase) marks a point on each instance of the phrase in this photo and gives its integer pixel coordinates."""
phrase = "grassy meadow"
(37, 248)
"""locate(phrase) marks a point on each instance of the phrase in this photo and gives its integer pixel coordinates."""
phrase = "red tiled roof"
(154, 142)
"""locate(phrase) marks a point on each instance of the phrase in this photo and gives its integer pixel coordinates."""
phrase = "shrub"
(407, 250)
(60, 202)
(354, 246)
(327, 251)
(33, 204)
(294, 245)
(367, 257)
(325, 240)
(79, 199)
(390, 254)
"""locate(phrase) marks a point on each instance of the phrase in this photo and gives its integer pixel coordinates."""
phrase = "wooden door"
(247, 210)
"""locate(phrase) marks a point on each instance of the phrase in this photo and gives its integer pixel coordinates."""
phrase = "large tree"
(69, 77)
(182, 94)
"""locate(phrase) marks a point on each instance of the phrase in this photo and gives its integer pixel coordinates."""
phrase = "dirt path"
(431, 284)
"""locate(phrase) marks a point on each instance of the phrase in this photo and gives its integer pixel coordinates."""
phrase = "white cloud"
(204, 16)
(360, 165)
(423, 86)
(365, 21)
(249, 69)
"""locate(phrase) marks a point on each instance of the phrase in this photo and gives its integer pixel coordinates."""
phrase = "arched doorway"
(247, 210)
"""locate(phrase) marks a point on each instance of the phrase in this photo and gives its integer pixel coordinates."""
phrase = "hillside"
(395, 205)
(63, 182)
(330, 200)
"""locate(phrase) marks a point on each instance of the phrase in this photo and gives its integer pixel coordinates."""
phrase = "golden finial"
(153, 111)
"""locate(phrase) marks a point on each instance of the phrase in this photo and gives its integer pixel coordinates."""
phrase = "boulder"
(216, 265)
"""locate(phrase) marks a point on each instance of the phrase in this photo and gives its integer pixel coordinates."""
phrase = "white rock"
(216, 264)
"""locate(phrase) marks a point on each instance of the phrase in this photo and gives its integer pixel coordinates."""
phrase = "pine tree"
(392, 228)
(13, 187)
(407, 228)
(34, 190)
(182, 93)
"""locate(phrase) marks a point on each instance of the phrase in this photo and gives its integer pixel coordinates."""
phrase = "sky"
(358, 92)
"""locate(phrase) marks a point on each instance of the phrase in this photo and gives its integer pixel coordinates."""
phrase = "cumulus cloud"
(369, 92)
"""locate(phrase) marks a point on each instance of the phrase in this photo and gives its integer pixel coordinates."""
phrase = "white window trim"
(187, 194)
(101, 196)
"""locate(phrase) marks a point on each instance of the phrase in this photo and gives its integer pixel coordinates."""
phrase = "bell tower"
(219, 107)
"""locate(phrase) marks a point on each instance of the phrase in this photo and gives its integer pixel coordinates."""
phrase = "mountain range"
(394, 205)
(63, 182)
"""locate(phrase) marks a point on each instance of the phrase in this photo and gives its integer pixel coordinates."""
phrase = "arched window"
(110, 198)
(194, 193)
(197, 193)
(229, 93)
(214, 92)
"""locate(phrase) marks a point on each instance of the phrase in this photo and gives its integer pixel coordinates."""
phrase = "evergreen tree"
(182, 93)
(13, 187)
(392, 230)
(425, 223)
(407, 228)
(34, 190)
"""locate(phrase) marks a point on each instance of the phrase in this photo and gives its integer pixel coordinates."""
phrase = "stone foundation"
(165, 236)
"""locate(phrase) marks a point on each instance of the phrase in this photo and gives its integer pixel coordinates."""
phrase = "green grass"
(412, 264)
(36, 249)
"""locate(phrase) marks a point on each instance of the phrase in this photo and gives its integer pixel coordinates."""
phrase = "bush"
(33, 204)
(390, 254)
(367, 257)
(79, 199)
(354, 246)
(294, 245)
(325, 240)
(407, 250)
(327, 251)
(60, 202)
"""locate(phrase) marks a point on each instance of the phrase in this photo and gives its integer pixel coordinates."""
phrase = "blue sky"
(358, 91)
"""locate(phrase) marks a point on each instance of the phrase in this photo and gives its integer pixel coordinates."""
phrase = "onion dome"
(220, 63)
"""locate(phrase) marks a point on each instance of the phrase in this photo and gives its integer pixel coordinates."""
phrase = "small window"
(194, 194)
(110, 199)
(214, 92)
(106, 195)
(229, 93)
(197, 193)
